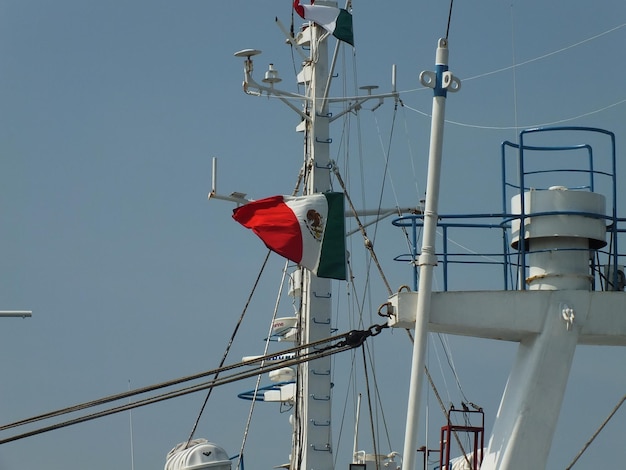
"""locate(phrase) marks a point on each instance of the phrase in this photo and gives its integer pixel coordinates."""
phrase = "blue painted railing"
(588, 169)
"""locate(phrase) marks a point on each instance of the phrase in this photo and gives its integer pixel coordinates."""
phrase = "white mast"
(440, 81)
(312, 442)
(313, 448)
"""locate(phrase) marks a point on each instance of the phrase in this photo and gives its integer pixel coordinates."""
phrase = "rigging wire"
(258, 379)
(345, 407)
(386, 153)
(334, 345)
(502, 69)
(449, 19)
(517, 127)
(230, 343)
(359, 303)
(371, 360)
(411, 154)
(386, 157)
(353, 303)
(369, 404)
(282, 282)
(443, 375)
(445, 413)
(515, 66)
(448, 353)
(544, 56)
(379, 399)
(148, 401)
(368, 243)
(595, 434)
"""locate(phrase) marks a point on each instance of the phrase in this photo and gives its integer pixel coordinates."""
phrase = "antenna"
(356, 427)
(239, 198)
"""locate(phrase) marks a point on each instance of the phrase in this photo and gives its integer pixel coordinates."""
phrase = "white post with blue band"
(441, 81)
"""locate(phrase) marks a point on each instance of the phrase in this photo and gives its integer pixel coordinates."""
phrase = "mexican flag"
(308, 230)
(336, 21)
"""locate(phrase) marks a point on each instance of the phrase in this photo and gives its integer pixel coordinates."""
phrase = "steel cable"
(344, 342)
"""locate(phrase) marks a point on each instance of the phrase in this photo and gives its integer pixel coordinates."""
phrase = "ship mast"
(312, 438)
(313, 445)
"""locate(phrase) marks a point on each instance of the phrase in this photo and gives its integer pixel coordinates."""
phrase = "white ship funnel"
(560, 227)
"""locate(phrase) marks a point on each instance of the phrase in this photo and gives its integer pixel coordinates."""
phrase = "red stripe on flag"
(275, 224)
(299, 9)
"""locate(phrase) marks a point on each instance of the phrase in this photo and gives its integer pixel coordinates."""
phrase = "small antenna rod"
(356, 428)
(214, 176)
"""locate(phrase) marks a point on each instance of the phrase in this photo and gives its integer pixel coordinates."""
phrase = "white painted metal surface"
(515, 315)
(558, 241)
(440, 81)
(313, 427)
(561, 230)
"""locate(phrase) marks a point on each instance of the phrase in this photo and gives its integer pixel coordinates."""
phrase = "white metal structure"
(559, 311)
(312, 439)
(441, 81)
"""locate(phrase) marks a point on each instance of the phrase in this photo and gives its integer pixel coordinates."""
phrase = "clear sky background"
(110, 113)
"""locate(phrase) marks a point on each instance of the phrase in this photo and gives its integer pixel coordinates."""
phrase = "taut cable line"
(338, 343)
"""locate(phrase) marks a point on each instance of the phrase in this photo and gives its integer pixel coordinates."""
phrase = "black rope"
(449, 19)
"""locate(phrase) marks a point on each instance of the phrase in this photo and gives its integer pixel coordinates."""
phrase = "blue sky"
(110, 113)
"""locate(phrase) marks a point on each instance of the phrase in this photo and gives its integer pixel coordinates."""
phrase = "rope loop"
(388, 313)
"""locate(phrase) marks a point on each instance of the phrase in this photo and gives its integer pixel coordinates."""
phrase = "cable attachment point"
(388, 310)
(356, 338)
(568, 315)
(375, 330)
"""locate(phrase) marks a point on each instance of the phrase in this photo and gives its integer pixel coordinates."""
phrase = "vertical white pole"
(440, 81)
(214, 176)
(314, 449)
(355, 447)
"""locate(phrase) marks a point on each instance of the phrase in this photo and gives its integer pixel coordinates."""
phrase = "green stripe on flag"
(332, 262)
(343, 27)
